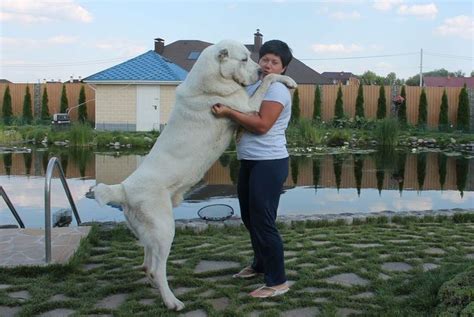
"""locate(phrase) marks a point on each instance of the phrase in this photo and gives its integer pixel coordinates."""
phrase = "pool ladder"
(7, 200)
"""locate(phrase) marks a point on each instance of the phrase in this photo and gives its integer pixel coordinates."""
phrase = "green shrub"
(7, 110)
(295, 107)
(381, 104)
(402, 110)
(82, 107)
(443, 113)
(44, 105)
(339, 106)
(463, 110)
(456, 295)
(422, 110)
(80, 134)
(64, 102)
(338, 137)
(387, 131)
(317, 114)
(359, 107)
(27, 110)
(309, 134)
(10, 137)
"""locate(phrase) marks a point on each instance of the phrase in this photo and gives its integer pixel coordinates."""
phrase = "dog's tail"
(105, 194)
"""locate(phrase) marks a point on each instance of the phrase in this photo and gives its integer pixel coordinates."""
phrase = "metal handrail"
(47, 202)
(10, 205)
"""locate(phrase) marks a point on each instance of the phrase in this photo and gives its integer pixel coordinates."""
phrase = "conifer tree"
(7, 111)
(317, 115)
(463, 110)
(82, 109)
(27, 110)
(443, 112)
(381, 104)
(44, 105)
(64, 101)
(422, 109)
(339, 106)
(402, 110)
(295, 107)
(359, 107)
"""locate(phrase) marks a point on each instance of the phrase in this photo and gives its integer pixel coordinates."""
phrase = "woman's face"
(271, 64)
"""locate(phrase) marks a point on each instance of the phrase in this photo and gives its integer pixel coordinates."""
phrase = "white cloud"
(385, 5)
(121, 47)
(461, 25)
(34, 43)
(422, 10)
(34, 11)
(354, 15)
(62, 39)
(336, 48)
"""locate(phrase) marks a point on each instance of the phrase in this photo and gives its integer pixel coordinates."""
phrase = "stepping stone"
(303, 265)
(363, 295)
(347, 279)
(396, 267)
(470, 256)
(344, 253)
(399, 241)
(268, 304)
(290, 253)
(254, 313)
(429, 266)
(315, 290)
(147, 301)
(179, 262)
(384, 277)
(204, 245)
(91, 266)
(195, 313)
(301, 312)
(327, 268)
(59, 298)
(366, 245)
(207, 293)
(60, 312)
(21, 295)
(344, 312)
(317, 243)
(320, 300)
(384, 256)
(6, 311)
(217, 278)
(209, 266)
(112, 301)
(183, 290)
(220, 304)
(435, 251)
(4, 286)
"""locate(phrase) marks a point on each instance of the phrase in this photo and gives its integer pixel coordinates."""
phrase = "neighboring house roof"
(181, 51)
(5, 81)
(149, 66)
(448, 81)
(342, 76)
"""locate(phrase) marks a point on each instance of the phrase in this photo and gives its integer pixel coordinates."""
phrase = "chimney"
(159, 45)
(257, 41)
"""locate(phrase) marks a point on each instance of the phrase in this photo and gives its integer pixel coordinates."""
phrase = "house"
(136, 95)
(341, 78)
(185, 53)
(429, 81)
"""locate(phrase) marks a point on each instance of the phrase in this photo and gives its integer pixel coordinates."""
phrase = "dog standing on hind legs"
(191, 142)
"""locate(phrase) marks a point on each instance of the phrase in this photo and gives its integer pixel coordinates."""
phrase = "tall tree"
(443, 113)
(381, 104)
(339, 106)
(359, 108)
(463, 110)
(64, 101)
(7, 110)
(422, 109)
(391, 78)
(27, 110)
(317, 115)
(44, 105)
(295, 107)
(402, 110)
(82, 107)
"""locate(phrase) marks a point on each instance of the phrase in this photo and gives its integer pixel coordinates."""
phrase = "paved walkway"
(26, 246)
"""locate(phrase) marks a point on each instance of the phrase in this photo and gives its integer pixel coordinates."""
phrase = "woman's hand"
(220, 110)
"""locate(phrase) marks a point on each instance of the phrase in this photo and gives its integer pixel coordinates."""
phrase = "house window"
(194, 55)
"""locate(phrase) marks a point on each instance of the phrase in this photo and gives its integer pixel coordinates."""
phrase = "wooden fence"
(306, 93)
(17, 92)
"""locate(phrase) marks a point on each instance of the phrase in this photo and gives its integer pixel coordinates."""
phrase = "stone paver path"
(347, 279)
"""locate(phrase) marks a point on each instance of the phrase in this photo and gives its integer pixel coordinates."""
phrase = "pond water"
(320, 184)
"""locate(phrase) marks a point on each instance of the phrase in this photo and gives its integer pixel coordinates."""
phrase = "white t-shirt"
(271, 145)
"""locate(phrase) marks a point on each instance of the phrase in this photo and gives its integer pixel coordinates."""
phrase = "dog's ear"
(223, 54)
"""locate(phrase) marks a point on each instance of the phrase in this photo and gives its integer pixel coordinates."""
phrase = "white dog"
(191, 142)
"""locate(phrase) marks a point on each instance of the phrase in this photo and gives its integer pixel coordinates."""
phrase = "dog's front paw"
(289, 82)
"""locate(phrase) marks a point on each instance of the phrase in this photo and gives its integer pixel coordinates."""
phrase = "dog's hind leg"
(159, 241)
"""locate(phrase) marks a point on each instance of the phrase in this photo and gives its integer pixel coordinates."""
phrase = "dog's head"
(235, 62)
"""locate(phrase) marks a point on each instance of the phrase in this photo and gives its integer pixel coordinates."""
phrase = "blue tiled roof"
(149, 66)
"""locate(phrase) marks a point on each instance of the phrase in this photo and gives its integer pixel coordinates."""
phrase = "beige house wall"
(168, 97)
(116, 104)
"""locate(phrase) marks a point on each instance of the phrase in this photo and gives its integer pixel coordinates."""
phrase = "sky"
(59, 39)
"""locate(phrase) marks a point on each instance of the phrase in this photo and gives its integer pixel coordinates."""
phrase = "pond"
(318, 184)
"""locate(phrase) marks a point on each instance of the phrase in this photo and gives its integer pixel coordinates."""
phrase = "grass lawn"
(366, 269)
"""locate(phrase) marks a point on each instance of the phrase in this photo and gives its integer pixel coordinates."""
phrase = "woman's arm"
(255, 122)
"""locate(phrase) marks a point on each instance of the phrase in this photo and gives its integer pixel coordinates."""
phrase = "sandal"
(246, 272)
(272, 291)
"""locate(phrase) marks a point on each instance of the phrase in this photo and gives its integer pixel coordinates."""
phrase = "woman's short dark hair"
(279, 48)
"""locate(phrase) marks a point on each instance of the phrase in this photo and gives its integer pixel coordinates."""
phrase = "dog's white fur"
(191, 142)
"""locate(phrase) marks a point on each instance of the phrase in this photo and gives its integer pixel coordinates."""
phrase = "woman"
(263, 170)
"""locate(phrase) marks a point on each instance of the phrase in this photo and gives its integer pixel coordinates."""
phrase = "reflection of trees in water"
(358, 167)
(45, 159)
(294, 164)
(442, 163)
(64, 158)
(27, 159)
(338, 160)
(7, 162)
(462, 169)
(316, 171)
(81, 156)
(421, 169)
(399, 173)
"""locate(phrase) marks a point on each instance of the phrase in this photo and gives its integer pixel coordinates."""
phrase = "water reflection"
(385, 180)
